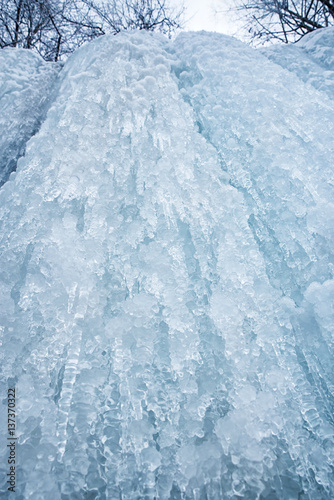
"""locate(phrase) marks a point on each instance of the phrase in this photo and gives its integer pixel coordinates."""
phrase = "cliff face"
(166, 266)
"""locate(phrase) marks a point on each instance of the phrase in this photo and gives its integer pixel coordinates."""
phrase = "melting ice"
(167, 269)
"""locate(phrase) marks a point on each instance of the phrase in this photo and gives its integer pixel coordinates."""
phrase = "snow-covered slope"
(167, 277)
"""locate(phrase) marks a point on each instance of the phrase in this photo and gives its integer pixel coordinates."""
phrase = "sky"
(209, 15)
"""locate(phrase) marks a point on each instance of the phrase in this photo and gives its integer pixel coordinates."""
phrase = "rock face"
(166, 274)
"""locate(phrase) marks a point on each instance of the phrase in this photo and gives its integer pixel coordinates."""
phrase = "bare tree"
(285, 20)
(55, 28)
(150, 15)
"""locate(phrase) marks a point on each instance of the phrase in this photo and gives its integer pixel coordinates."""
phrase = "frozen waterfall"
(166, 269)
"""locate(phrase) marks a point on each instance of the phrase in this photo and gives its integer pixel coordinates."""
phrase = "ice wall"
(167, 278)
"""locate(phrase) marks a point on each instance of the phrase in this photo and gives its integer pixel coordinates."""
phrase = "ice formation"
(26, 87)
(167, 273)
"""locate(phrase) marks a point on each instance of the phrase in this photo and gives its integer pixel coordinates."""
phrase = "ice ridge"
(27, 86)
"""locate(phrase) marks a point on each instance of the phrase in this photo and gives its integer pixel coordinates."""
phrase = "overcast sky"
(201, 16)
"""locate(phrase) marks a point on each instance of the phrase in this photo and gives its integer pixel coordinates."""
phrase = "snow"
(167, 270)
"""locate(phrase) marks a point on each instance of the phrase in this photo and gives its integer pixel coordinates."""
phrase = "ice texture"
(26, 88)
(167, 277)
(311, 59)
